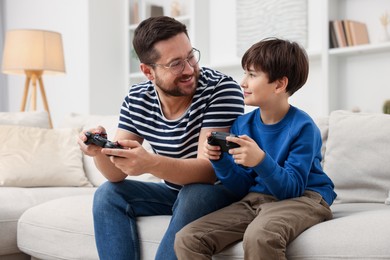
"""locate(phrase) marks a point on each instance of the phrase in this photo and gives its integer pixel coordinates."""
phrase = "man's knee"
(192, 198)
(106, 196)
(204, 197)
(100, 197)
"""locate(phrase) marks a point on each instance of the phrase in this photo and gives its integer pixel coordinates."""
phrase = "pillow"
(110, 123)
(38, 157)
(357, 156)
(323, 125)
(34, 118)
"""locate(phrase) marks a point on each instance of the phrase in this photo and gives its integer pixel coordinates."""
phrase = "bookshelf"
(193, 13)
(356, 76)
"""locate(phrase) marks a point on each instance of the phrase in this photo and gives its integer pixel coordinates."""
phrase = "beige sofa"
(49, 217)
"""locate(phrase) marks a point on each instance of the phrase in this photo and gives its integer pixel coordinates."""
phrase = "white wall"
(93, 33)
(223, 52)
(108, 59)
(3, 82)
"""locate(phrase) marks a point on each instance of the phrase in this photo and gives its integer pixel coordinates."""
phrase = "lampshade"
(33, 50)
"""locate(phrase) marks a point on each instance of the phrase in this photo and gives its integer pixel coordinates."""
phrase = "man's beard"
(176, 91)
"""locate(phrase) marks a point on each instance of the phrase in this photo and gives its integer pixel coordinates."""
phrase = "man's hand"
(91, 149)
(133, 160)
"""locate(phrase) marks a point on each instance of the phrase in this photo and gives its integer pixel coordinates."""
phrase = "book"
(340, 34)
(156, 10)
(359, 33)
(332, 36)
(347, 30)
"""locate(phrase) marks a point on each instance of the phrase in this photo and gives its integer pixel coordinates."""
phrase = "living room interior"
(346, 93)
(96, 41)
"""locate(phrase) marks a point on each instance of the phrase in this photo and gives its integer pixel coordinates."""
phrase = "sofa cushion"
(14, 201)
(356, 156)
(110, 123)
(32, 157)
(59, 229)
(69, 222)
(358, 231)
(33, 118)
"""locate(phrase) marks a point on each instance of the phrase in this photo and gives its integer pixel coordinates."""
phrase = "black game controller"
(99, 140)
(219, 138)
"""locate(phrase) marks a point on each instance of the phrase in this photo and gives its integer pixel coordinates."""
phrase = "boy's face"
(257, 90)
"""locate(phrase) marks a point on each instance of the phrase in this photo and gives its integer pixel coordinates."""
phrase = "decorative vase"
(385, 34)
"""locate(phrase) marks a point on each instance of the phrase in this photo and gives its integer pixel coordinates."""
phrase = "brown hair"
(279, 58)
(151, 31)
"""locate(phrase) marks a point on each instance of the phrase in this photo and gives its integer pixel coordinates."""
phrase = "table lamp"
(32, 53)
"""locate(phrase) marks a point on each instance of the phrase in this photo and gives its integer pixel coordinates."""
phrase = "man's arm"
(137, 161)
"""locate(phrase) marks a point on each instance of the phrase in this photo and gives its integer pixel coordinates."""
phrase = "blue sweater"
(292, 162)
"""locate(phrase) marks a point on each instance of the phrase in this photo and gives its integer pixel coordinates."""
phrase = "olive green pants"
(265, 224)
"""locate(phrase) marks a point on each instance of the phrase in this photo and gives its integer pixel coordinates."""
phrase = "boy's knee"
(184, 240)
(263, 243)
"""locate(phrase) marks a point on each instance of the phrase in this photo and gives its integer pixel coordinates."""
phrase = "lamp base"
(31, 77)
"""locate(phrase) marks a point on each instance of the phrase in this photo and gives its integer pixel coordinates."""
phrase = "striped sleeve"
(224, 100)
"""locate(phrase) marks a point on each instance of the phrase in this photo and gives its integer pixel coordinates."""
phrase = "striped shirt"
(217, 102)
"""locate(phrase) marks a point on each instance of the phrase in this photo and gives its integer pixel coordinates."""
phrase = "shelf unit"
(356, 76)
(193, 13)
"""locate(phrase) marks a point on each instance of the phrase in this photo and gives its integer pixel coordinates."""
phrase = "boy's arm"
(236, 178)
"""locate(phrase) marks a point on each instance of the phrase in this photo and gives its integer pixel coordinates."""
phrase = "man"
(173, 110)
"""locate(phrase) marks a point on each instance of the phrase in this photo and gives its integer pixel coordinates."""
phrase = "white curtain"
(3, 79)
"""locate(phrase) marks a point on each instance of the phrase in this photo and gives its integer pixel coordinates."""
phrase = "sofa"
(47, 187)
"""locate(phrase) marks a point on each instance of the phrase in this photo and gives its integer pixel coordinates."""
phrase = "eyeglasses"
(177, 66)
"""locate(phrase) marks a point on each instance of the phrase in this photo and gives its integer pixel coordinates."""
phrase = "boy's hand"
(249, 154)
(213, 152)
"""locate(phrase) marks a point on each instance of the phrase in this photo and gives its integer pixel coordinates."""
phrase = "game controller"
(99, 140)
(219, 138)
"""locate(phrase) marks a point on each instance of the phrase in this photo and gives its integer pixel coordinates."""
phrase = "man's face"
(178, 48)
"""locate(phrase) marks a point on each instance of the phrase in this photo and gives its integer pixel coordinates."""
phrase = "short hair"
(279, 58)
(151, 31)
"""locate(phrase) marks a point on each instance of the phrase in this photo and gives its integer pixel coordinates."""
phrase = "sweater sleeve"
(236, 178)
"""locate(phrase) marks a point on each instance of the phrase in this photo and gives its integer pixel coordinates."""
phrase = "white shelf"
(361, 49)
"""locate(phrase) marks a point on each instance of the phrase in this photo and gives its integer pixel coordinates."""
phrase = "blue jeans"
(117, 205)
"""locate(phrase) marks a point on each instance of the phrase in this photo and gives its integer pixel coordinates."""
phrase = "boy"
(278, 163)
